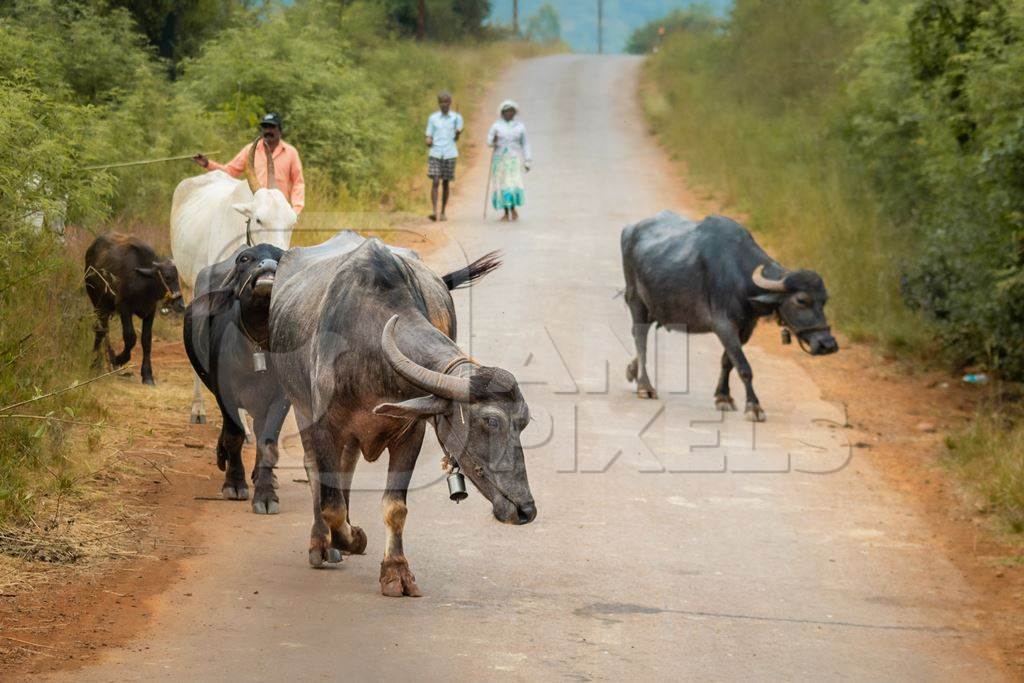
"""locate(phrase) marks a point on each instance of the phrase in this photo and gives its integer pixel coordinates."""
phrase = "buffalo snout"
(263, 278)
(510, 512)
(823, 345)
(175, 305)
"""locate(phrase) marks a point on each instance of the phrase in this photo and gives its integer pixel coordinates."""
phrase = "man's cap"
(272, 119)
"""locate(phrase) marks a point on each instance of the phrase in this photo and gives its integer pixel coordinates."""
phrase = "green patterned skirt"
(507, 185)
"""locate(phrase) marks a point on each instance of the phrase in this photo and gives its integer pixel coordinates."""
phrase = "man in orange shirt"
(287, 165)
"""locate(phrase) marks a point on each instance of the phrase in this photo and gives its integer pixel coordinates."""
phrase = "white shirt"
(510, 136)
(441, 129)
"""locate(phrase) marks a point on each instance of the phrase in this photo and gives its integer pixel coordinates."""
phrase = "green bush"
(937, 111)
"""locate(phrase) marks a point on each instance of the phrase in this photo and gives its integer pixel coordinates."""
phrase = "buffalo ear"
(773, 299)
(415, 408)
(148, 272)
(212, 303)
(244, 209)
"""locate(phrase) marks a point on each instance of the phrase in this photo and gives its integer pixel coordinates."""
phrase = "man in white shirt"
(443, 128)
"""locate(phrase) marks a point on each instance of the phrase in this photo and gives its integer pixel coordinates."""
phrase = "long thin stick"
(28, 642)
(47, 418)
(61, 391)
(490, 171)
(145, 161)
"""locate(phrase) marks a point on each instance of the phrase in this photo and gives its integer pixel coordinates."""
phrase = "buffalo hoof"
(229, 492)
(396, 580)
(356, 547)
(754, 413)
(631, 371)
(725, 404)
(148, 381)
(264, 500)
(265, 507)
(197, 419)
(646, 393)
(320, 553)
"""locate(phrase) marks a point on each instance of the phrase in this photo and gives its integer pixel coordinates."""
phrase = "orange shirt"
(287, 170)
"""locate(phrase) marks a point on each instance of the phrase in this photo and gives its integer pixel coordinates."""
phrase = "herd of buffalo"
(358, 338)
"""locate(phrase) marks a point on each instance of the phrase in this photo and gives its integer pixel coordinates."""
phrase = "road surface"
(670, 543)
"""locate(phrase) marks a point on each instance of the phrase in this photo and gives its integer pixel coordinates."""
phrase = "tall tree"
(544, 26)
(177, 28)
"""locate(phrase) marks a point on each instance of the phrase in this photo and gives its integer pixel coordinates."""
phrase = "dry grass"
(989, 455)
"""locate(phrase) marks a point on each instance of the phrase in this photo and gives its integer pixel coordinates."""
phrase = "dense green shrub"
(938, 111)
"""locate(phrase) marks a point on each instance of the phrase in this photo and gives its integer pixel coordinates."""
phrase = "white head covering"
(508, 104)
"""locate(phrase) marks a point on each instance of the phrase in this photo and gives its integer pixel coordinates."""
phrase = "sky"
(579, 18)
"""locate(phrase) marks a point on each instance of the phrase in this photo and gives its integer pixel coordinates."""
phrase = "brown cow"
(123, 276)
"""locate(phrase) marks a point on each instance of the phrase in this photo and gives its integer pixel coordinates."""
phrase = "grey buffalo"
(124, 276)
(362, 339)
(713, 277)
(225, 334)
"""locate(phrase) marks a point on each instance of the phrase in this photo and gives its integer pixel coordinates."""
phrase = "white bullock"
(212, 215)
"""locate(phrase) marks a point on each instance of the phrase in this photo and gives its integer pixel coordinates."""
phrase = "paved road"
(669, 543)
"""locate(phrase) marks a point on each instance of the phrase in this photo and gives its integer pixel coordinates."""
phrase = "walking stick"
(143, 162)
(490, 170)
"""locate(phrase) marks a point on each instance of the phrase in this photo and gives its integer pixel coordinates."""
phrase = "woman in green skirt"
(510, 160)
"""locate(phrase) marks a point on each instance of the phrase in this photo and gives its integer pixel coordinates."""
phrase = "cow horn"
(437, 383)
(250, 168)
(764, 283)
(271, 180)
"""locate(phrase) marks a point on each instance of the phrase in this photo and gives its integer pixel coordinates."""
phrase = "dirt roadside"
(898, 419)
(65, 612)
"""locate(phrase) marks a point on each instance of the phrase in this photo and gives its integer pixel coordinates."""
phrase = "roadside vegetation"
(92, 82)
(880, 143)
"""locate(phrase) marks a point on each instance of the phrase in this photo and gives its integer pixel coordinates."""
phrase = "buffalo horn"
(250, 168)
(437, 383)
(764, 283)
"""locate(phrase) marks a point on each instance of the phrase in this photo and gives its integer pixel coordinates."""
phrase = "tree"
(444, 20)
(544, 26)
(178, 28)
(649, 36)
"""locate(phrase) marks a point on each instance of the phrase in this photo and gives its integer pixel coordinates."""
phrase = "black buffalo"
(362, 341)
(712, 277)
(124, 276)
(225, 332)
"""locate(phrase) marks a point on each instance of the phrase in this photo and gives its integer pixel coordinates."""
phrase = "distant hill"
(579, 18)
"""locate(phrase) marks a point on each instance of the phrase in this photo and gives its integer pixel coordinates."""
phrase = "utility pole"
(600, 26)
(515, 17)
(421, 20)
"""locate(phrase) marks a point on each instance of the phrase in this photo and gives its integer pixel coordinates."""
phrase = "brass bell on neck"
(787, 338)
(457, 486)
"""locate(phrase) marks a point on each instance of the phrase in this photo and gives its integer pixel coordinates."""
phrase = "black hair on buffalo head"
(493, 384)
(804, 281)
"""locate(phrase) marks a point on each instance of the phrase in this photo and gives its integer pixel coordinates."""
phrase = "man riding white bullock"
(214, 214)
